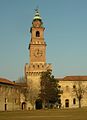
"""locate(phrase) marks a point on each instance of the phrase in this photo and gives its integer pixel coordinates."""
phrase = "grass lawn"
(59, 114)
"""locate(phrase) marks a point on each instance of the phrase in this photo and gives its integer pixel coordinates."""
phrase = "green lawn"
(59, 114)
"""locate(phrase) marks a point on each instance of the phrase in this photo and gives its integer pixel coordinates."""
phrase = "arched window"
(33, 66)
(37, 34)
(74, 101)
(67, 103)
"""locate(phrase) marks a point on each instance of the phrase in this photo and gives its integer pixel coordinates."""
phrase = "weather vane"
(37, 8)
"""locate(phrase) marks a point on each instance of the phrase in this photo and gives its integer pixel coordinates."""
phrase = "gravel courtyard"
(59, 114)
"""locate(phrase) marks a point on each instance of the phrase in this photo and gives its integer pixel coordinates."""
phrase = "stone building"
(37, 56)
(11, 98)
(37, 65)
(68, 97)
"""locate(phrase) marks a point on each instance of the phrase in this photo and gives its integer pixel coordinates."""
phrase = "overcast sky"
(65, 23)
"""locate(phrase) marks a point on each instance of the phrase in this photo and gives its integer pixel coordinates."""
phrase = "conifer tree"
(49, 92)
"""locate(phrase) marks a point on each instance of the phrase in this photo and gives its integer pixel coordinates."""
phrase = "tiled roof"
(21, 84)
(75, 78)
(6, 81)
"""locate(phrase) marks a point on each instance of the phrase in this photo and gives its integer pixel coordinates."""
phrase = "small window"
(42, 66)
(67, 88)
(15, 100)
(59, 86)
(37, 34)
(33, 66)
(67, 103)
(5, 100)
(74, 101)
(74, 86)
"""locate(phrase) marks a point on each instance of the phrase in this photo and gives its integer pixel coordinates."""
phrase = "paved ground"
(60, 114)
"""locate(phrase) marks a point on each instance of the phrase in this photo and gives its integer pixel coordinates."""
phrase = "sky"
(65, 23)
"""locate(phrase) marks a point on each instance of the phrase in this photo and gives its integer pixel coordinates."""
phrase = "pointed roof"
(37, 15)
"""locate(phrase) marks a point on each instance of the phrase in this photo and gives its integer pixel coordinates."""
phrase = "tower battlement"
(37, 67)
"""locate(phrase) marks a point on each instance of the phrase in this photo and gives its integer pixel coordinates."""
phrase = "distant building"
(11, 98)
(68, 97)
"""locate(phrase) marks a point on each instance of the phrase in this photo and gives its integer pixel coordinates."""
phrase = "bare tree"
(23, 88)
(28, 91)
(79, 89)
(33, 93)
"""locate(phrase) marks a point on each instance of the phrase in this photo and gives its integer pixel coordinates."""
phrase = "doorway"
(5, 107)
(38, 104)
(23, 105)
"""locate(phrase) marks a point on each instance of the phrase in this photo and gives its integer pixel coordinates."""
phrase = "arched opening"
(74, 101)
(23, 105)
(67, 103)
(38, 104)
(5, 107)
(37, 34)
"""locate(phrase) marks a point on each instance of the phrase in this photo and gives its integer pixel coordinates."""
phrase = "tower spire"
(37, 15)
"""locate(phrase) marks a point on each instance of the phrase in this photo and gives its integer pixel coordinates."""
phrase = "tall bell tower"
(37, 54)
(37, 44)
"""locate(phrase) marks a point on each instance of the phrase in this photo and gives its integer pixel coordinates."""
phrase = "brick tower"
(37, 54)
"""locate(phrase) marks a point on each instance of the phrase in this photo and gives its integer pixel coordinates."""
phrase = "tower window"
(37, 34)
(33, 66)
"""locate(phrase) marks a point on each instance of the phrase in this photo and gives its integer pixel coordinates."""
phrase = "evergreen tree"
(49, 92)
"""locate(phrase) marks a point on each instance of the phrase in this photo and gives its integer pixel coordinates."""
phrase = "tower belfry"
(37, 44)
(37, 54)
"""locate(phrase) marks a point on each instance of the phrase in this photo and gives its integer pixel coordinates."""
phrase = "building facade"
(73, 88)
(11, 96)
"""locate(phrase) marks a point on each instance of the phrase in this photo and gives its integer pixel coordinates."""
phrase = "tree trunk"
(79, 103)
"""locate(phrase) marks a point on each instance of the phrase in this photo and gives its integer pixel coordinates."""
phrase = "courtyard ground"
(59, 114)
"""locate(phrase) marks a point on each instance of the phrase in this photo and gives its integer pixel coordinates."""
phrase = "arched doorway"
(5, 107)
(38, 104)
(67, 103)
(23, 105)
